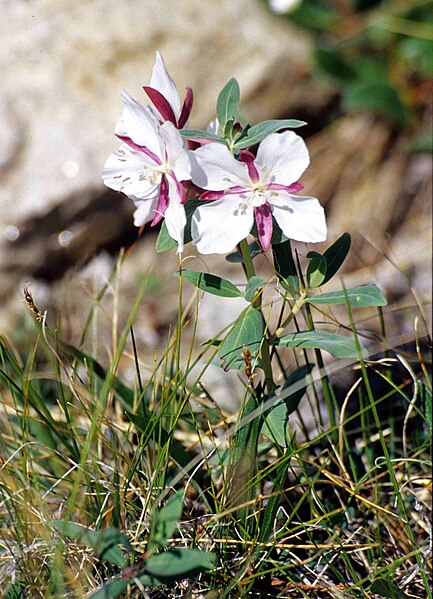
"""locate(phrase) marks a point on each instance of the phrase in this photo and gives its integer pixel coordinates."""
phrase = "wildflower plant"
(230, 189)
(215, 188)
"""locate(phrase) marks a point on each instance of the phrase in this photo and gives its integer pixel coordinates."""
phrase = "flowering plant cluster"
(239, 192)
(216, 187)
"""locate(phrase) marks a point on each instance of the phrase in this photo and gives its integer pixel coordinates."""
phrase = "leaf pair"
(227, 111)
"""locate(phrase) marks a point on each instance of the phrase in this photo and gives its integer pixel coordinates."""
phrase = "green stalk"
(264, 351)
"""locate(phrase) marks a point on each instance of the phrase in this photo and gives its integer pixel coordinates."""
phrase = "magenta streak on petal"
(186, 108)
(163, 201)
(200, 142)
(248, 158)
(161, 104)
(138, 148)
(217, 195)
(212, 195)
(293, 188)
(263, 216)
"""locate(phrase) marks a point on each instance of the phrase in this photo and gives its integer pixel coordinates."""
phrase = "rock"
(63, 65)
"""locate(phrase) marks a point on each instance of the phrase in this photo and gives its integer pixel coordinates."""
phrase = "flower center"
(259, 190)
(153, 174)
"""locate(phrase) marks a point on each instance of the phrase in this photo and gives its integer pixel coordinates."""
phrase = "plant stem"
(248, 261)
(264, 351)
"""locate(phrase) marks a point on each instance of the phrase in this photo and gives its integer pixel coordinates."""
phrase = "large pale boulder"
(63, 64)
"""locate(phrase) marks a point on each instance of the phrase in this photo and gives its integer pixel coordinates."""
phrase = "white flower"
(253, 189)
(163, 94)
(149, 166)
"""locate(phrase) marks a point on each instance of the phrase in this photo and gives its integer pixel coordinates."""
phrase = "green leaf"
(105, 542)
(386, 587)
(426, 399)
(237, 258)
(361, 297)
(371, 69)
(210, 283)
(285, 265)
(335, 255)
(314, 16)
(257, 133)
(199, 134)
(164, 522)
(111, 589)
(332, 64)
(252, 287)
(16, 590)
(275, 425)
(316, 270)
(418, 54)
(228, 103)
(336, 345)
(164, 241)
(180, 563)
(376, 96)
(247, 332)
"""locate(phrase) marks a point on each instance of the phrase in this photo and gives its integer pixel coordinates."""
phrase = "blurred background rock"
(358, 71)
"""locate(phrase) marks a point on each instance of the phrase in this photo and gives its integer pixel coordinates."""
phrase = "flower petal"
(263, 216)
(138, 123)
(218, 227)
(125, 171)
(214, 168)
(300, 217)
(161, 104)
(248, 158)
(175, 216)
(282, 158)
(186, 108)
(163, 201)
(162, 81)
(144, 212)
(177, 157)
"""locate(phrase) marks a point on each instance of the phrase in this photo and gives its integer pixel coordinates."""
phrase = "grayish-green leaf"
(111, 589)
(228, 103)
(275, 425)
(180, 563)
(164, 241)
(105, 542)
(164, 521)
(210, 283)
(252, 287)
(247, 332)
(336, 345)
(316, 270)
(237, 258)
(257, 133)
(361, 297)
(335, 255)
(285, 266)
(199, 134)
